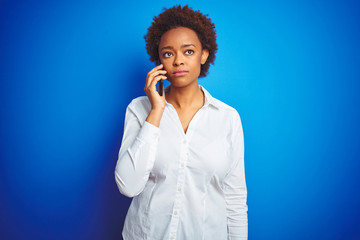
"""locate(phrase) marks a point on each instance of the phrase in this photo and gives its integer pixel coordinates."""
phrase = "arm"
(140, 139)
(136, 155)
(235, 187)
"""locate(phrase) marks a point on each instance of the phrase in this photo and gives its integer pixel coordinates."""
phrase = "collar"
(209, 100)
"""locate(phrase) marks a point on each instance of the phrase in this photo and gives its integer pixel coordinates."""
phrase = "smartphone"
(161, 87)
(161, 83)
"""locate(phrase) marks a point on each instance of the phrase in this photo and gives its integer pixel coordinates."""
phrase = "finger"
(158, 67)
(151, 86)
(158, 72)
(155, 80)
(154, 72)
(153, 75)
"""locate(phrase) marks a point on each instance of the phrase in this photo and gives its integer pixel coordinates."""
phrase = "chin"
(181, 82)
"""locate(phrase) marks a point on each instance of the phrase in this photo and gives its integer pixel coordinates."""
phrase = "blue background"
(68, 69)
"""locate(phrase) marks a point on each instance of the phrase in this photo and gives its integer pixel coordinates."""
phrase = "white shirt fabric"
(185, 186)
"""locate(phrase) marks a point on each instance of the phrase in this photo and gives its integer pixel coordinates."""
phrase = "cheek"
(197, 65)
(167, 66)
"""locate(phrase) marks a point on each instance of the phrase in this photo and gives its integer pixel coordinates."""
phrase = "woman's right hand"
(157, 101)
(155, 75)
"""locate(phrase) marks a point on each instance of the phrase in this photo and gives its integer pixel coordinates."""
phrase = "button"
(172, 238)
(179, 189)
(175, 212)
(182, 165)
(184, 141)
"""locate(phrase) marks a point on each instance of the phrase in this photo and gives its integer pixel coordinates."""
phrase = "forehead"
(179, 36)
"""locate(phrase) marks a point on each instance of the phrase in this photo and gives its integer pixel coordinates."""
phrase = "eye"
(189, 52)
(167, 54)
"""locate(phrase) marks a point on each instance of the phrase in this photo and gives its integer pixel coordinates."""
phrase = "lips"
(180, 73)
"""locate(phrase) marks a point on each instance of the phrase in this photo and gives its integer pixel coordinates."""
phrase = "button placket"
(179, 187)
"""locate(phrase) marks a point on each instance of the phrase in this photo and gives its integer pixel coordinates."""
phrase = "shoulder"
(229, 111)
(231, 119)
(140, 106)
(224, 109)
(139, 101)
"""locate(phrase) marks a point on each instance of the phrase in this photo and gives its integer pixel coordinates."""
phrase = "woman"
(182, 153)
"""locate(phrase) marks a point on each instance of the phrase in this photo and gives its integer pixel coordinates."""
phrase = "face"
(181, 53)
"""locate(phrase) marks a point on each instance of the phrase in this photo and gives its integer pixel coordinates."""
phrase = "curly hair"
(178, 16)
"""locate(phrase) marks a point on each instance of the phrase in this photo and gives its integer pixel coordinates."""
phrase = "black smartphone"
(161, 87)
(161, 83)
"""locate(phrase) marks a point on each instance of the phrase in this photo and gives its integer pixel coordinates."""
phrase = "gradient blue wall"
(68, 69)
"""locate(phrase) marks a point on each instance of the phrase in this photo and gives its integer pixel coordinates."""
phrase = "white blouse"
(185, 186)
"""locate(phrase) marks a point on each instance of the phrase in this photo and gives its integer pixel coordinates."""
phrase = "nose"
(178, 60)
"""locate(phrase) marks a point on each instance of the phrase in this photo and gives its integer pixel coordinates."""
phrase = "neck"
(185, 97)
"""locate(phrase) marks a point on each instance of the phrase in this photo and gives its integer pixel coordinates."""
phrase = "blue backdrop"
(68, 69)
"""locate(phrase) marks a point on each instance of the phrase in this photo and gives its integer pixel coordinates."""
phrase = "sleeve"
(235, 187)
(136, 155)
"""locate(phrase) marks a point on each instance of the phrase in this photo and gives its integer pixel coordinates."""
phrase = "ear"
(204, 56)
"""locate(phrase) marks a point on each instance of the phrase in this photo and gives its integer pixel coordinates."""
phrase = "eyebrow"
(182, 46)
